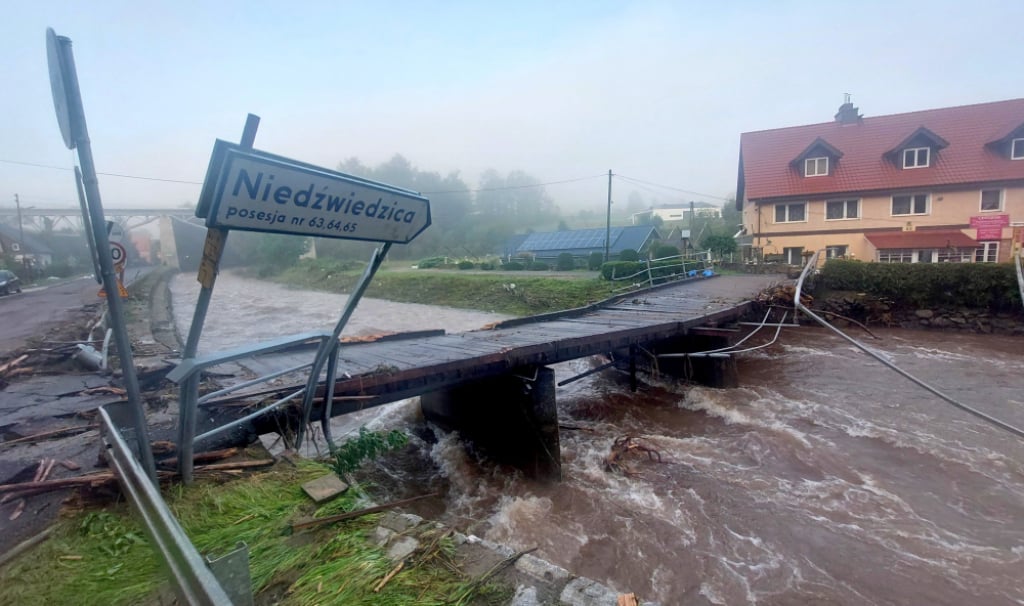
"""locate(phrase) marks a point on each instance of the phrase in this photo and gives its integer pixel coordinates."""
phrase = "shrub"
(513, 266)
(595, 261)
(628, 254)
(620, 269)
(487, 266)
(431, 262)
(539, 266)
(368, 445)
(565, 262)
(466, 265)
(664, 250)
(978, 285)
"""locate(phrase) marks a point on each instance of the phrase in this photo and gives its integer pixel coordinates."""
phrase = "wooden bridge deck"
(388, 370)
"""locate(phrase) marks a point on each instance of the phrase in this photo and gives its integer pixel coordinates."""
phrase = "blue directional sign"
(256, 191)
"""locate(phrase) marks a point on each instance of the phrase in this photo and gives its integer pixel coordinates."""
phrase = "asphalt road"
(37, 309)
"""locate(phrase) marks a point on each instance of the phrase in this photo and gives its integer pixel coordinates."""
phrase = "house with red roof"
(940, 185)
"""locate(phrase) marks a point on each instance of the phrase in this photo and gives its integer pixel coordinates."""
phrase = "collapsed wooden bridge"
(494, 384)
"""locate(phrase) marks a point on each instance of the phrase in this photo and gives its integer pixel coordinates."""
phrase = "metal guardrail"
(194, 583)
(812, 263)
(690, 266)
(189, 372)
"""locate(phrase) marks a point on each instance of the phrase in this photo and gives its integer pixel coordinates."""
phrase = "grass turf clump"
(104, 557)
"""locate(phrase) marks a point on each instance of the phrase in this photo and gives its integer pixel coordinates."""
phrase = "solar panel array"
(568, 240)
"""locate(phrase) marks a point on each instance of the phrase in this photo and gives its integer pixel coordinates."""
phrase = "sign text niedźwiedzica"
(259, 192)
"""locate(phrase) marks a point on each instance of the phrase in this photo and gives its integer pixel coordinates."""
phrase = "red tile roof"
(934, 238)
(765, 156)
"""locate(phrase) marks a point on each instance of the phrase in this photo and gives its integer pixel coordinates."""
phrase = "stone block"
(324, 488)
(582, 591)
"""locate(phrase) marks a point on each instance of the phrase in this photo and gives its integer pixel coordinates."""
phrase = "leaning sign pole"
(67, 101)
(252, 190)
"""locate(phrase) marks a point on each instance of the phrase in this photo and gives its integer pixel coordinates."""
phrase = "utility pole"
(21, 236)
(689, 242)
(608, 223)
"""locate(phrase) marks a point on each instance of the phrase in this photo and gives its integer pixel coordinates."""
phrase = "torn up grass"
(104, 557)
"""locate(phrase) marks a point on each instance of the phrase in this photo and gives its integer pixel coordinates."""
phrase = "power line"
(451, 191)
(460, 191)
(685, 191)
(104, 174)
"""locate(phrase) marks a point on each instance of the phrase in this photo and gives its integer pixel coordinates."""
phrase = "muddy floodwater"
(824, 479)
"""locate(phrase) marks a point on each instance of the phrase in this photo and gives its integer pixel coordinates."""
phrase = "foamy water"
(823, 479)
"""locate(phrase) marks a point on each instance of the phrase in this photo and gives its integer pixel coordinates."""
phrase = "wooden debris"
(70, 465)
(17, 510)
(49, 467)
(615, 461)
(355, 514)
(39, 470)
(201, 457)
(6, 366)
(389, 576)
(783, 295)
(95, 480)
(628, 599)
(108, 389)
(49, 434)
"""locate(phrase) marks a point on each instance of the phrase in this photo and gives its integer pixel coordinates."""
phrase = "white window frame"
(775, 214)
(927, 205)
(836, 251)
(812, 166)
(917, 157)
(981, 201)
(953, 255)
(1017, 149)
(846, 209)
(987, 252)
(790, 258)
(896, 255)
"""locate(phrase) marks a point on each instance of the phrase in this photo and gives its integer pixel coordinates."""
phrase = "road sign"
(257, 191)
(118, 254)
(57, 63)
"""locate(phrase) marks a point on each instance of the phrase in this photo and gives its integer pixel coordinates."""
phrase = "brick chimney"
(848, 114)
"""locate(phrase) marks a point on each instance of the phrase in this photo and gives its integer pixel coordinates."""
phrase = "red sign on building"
(990, 227)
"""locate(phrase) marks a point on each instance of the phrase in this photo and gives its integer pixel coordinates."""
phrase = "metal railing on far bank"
(665, 269)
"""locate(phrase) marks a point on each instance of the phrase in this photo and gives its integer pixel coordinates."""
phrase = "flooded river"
(824, 479)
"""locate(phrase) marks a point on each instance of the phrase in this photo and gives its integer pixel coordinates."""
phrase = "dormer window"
(916, 157)
(918, 150)
(818, 167)
(819, 159)
(1017, 149)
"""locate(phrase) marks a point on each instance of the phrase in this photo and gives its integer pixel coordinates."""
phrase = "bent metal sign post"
(256, 191)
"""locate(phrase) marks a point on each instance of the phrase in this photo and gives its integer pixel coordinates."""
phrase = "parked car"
(9, 282)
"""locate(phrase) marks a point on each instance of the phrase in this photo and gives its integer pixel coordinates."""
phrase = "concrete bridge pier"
(712, 370)
(509, 418)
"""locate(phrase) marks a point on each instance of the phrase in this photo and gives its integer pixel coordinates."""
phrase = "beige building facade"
(928, 187)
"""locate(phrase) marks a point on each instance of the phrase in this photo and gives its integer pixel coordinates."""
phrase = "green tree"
(270, 252)
(719, 244)
(565, 262)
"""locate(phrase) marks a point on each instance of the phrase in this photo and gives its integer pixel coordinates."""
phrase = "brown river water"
(825, 478)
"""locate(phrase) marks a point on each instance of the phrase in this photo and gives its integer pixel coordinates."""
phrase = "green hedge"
(981, 285)
(661, 270)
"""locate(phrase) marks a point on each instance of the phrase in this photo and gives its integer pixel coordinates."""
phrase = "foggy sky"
(658, 91)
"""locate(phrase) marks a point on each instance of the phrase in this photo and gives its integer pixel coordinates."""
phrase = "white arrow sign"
(257, 191)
